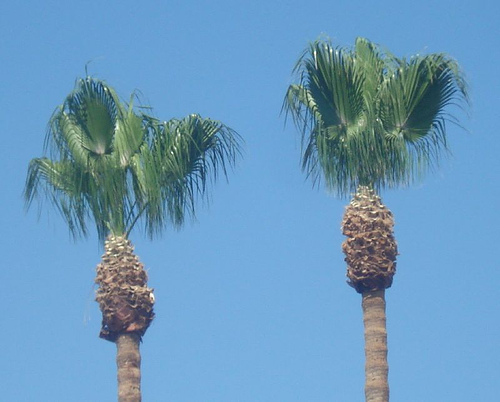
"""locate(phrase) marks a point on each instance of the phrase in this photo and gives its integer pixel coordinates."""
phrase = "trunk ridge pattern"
(370, 248)
(370, 252)
(124, 298)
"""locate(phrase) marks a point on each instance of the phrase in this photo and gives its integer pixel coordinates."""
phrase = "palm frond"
(88, 138)
(184, 157)
(117, 166)
(414, 102)
(94, 108)
(128, 137)
(63, 185)
(369, 118)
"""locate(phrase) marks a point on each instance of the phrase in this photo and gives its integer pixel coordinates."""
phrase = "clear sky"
(252, 303)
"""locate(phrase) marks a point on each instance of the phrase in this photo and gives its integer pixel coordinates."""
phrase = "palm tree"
(112, 165)
(371, 121)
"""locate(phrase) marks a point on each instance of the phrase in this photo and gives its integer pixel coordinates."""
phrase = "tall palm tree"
(112, 165)
(369, 121)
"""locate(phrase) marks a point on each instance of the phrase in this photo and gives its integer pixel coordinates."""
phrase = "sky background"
(252, 302)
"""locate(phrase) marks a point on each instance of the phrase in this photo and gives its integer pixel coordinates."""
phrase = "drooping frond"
(413, 104)
(79, 194)
(116, 166)
(368, 118)
(83, 176)
(329, 108)
(183, 157)
(60, 183)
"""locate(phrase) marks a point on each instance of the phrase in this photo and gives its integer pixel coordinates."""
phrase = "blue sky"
(252, 303)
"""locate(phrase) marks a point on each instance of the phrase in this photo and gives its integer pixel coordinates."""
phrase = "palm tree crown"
(117, 165)
(368, 118)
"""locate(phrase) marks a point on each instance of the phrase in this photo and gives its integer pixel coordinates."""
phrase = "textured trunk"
(376, 367)
(370, 252)
(126, 303)
(370, 248)
(128, 362)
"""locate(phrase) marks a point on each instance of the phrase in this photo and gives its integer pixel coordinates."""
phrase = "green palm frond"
(330, 87)
(184, 156)
(79, 194)
(93, 109)
(373, 65)
(413, 104)
(327, 107)
(368, 118)
(116, 166)
(128, 137)
(83, 177)
(63, 185)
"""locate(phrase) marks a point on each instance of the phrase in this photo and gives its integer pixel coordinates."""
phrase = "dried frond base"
(370, 249)
(125, 300)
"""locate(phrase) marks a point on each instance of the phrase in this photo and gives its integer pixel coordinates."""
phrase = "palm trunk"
(371, 250)
(376, 366)
(126, 303)
(128, 362)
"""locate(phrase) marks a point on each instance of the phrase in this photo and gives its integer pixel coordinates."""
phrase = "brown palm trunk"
(128, 362)
(376, 366)
(371, 250)
(126, 303)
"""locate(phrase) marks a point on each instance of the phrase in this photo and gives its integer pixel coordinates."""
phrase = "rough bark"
(376, 366)
(370, 248)
(125, 300)
(126, 303)
(128, 362)
(370, 253)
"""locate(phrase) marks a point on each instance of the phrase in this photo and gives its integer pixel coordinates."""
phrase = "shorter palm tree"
(369, 121)
(116, 167)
